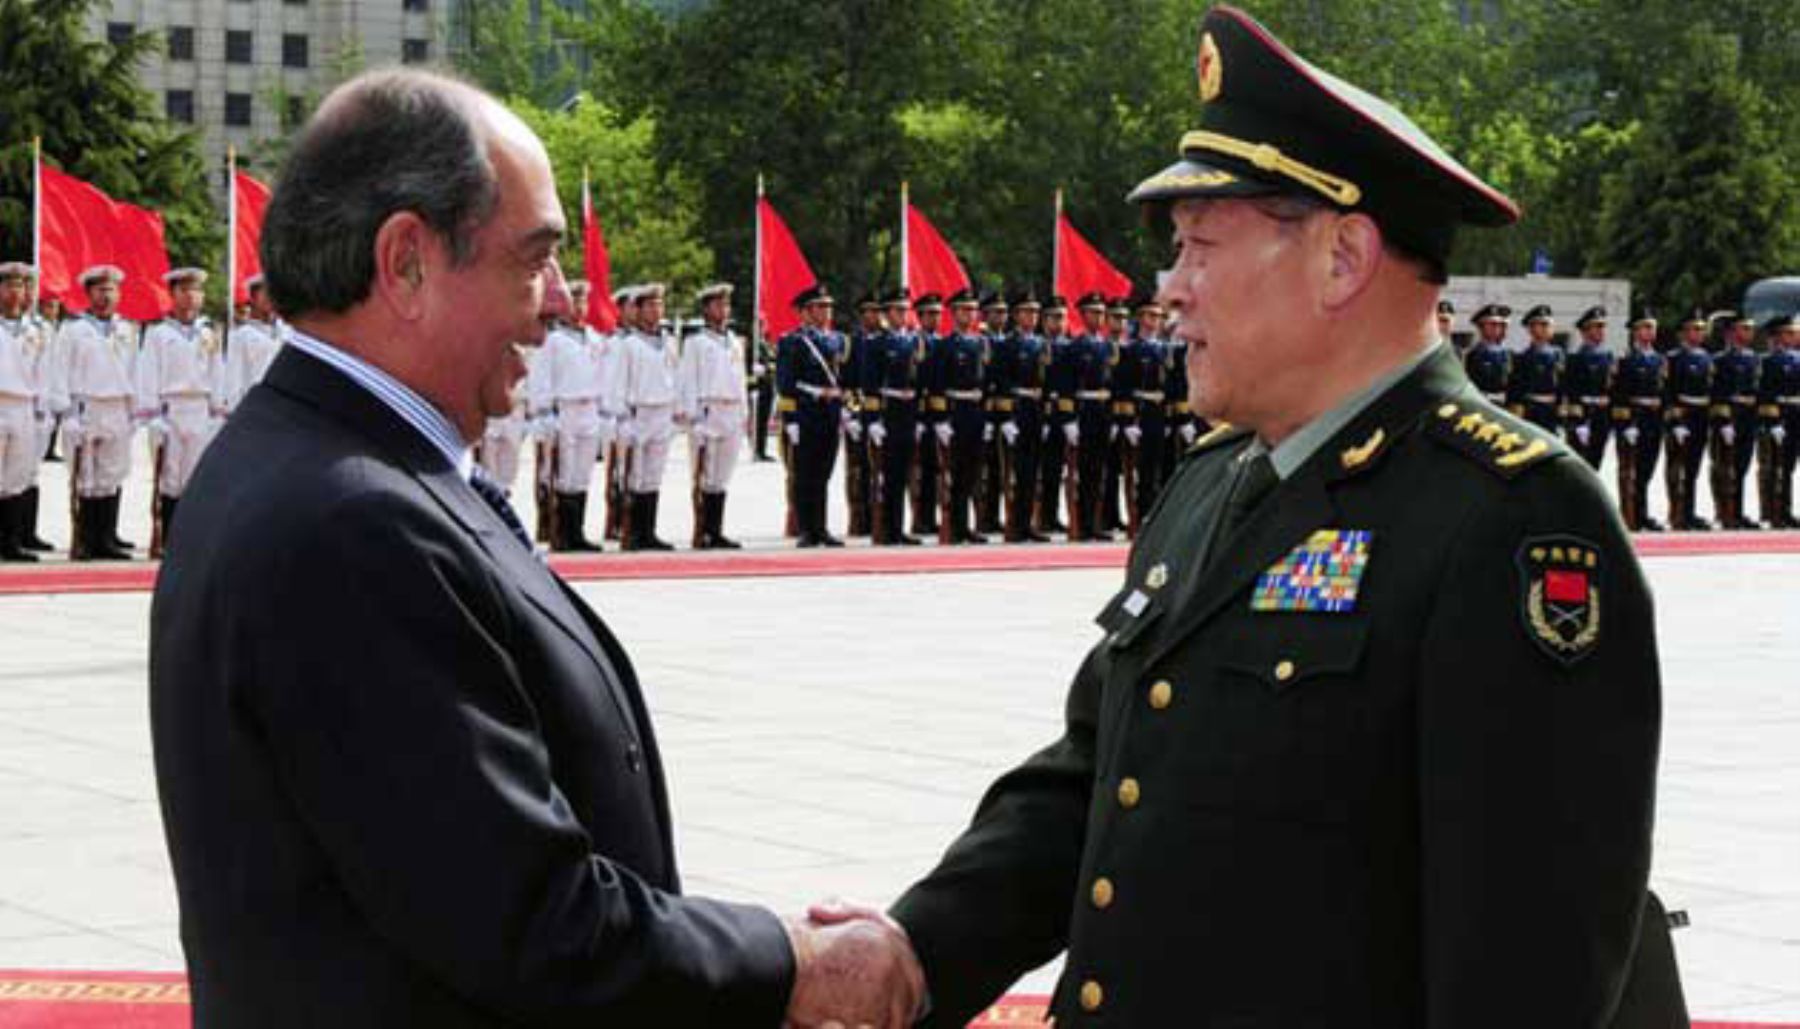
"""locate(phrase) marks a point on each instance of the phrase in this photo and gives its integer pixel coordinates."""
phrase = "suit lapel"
(1304, 503)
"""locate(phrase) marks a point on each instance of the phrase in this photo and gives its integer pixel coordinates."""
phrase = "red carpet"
(158, 1000)
(62, 577)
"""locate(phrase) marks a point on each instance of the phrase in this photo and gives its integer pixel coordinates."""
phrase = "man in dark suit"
(407, 776)
(1369, 738)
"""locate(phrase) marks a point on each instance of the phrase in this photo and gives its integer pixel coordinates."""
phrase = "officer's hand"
(793, 433)
(1681, 433)
(1583, 433)
(1778, 433)
(1728, 433)
(1011, 431)
(1189, 433)
(1631, 435)
(945, 433)
(853, 428)
(878, 434)
(1072, 433)
(987, 434)
(1133, 435)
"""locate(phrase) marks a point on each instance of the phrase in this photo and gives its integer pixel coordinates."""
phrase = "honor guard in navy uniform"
(759, 374)
(960, 370)
(809, 380)
(24, 409)
(859, 495)
(1639, 387)
(1018, 362)
(1184, 428)
(1587, 387)
(1381, 680)
(1061, 430)
(1124, 410)
(893, 368)
(1090, 436)
(1534, 387)
(1734, 421)
(1780, 410)
(1689, 416)
(1446, 331)
(1142, 379)
(926, 472)
(990, 486)
(1488, 363)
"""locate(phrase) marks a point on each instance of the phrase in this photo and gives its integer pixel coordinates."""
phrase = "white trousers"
(21, 445)
(190, 430)
(717, 438)
(579, 436)
(105, 445)
(652, 428)
(500, 449)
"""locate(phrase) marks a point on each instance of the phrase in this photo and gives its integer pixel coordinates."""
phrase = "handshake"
(853, 968)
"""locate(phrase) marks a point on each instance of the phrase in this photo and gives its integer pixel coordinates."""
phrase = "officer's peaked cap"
(1540, 313)
(1591, 316)
(1491, 313)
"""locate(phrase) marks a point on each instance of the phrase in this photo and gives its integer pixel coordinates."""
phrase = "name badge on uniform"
(1321, 574)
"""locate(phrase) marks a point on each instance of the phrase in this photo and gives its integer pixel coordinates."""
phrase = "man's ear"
(1356, 254)
(400, 248)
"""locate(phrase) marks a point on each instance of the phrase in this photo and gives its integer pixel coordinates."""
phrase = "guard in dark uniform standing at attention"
(1780, 412)
(1094, 357)
(809, 379)
(1587, 389)
(1184, 429)
(926, 476)
(891, 378)
(1062, 431)
(1690, 419)
(1639, 388)
(1380, 679)
(1142, 380)
(1016, 372)
(859, 497)
(1488, 363)
(960, 370)
(759, 373)
(990, 485)
(1534, 389)
(1734, 421)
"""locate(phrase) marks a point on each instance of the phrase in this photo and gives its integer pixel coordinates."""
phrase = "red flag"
(601, 312)
(1080, 269)
(784, 271)
(931, 266)
(83, 227)
(252, 199)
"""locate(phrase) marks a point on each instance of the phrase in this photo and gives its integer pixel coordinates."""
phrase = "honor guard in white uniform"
(254, 341)
(23, 412)
(650, 361)
(712, 399)
(96, 353)
(180, 394)
(569, 389)
(498, 449)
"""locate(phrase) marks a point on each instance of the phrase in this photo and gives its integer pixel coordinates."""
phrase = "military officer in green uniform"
(1368, 735)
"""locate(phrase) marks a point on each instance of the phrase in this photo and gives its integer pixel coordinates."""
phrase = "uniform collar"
(1294, 452)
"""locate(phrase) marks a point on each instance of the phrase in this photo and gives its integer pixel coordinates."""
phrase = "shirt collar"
(398, 397)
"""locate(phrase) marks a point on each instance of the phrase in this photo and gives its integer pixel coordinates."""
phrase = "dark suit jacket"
(1417, 813)
(407, 777)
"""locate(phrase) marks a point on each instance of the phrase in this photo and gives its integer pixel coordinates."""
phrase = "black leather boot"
(29, 539)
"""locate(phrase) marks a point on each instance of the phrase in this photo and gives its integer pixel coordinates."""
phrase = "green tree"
(1702, 203)
(649, 218)
(82, 97)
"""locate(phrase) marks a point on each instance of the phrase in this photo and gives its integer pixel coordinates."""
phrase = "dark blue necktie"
(489, 490)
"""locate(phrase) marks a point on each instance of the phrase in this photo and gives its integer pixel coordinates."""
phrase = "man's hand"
(1583, 433)
(877, 433)
(1189, 433)
(1778, 433)
(793, 433)
(1134, 435)
(987, 433)
(856, 969)
(852, 428)
(1072, 433)
(1011, 431)
(1728, 433)
(945, 433)
(1681, 433)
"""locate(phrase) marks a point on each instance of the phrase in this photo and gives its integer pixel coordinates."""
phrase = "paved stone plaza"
(831, 735)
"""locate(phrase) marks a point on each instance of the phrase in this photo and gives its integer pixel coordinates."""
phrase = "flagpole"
(231, 254)
(756, 311)
(1056, 247)
(37, 220)
(905, 277)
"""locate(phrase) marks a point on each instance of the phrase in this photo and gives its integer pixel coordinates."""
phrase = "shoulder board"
(1221, 434)
(1492, 438)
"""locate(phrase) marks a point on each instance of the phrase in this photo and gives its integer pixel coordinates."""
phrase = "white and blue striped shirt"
(413, 409)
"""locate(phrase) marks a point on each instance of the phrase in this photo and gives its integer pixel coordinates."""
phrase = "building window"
(237, 109)
(238, 46)
(178, 104)
(416, 6)
(293, 112)
(415, 51)
(119, 33)
(293, 51)
(181, 43)
(295, 3)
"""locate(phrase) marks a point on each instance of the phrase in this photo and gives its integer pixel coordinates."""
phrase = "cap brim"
(1189, 179)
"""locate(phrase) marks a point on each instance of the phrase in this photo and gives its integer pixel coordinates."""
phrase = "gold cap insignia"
(1212, 70)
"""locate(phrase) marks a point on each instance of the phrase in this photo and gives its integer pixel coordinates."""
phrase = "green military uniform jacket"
(1388, 762)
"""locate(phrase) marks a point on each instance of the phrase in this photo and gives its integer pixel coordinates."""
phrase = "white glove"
(1631, 435)
(1011, 431)
(945, 433)
(757, 369)
(1728, 433)
(918, 432)
(1133, 435)
(72, 432)
(793, 433)
(159, 427)
(878, 434)
(1778, 433)
(1189, 433)
(1112, 433)
(1072, 433)
(1681, 434)
(628, 431)
(852, 428)
(987, 434)
(1583, 433)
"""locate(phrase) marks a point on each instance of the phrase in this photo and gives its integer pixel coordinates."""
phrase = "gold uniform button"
(1129, 794)
(1162, 694)
(1092, 996)
(1284, 671)
(1103, 893)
